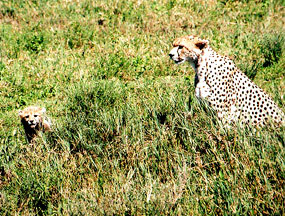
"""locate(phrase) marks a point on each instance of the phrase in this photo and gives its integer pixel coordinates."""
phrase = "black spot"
(101, 21)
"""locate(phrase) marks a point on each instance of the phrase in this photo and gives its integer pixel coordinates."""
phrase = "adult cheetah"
(226, 89)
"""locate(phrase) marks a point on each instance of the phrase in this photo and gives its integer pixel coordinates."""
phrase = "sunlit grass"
(129, 136)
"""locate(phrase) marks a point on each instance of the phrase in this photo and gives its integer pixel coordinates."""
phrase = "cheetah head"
(31, 117)
(187, 48)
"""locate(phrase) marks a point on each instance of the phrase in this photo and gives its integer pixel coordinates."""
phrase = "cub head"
(31, 117)
(187, 48)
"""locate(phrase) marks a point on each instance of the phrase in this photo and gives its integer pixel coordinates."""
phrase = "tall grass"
(129, 136)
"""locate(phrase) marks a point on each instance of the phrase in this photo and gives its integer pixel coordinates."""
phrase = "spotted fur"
(226, 89)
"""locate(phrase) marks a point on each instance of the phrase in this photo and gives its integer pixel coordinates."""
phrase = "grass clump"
(272, 47)
(129, 136)
(34, 43)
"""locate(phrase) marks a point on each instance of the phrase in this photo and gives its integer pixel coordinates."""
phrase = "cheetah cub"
(34, 122)
(223, 86)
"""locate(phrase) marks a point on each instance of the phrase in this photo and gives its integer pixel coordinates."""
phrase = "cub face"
(31, 117)
(187, 48)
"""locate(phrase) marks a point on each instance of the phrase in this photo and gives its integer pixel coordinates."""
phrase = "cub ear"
(20, 112)
(201, 44)
(43, 110)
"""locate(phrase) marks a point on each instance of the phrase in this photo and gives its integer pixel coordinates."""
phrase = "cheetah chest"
(214, 84)
(202, 89)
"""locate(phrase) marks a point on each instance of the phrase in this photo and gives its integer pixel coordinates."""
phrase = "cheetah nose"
(171, 55)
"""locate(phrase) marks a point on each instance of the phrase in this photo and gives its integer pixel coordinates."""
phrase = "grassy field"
(129, 136)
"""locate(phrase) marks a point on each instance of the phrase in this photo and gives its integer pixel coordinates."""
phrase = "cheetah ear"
(20, 113)
(201, 44)
(43, 110)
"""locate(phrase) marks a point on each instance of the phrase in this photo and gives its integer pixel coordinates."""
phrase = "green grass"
(129, 136)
